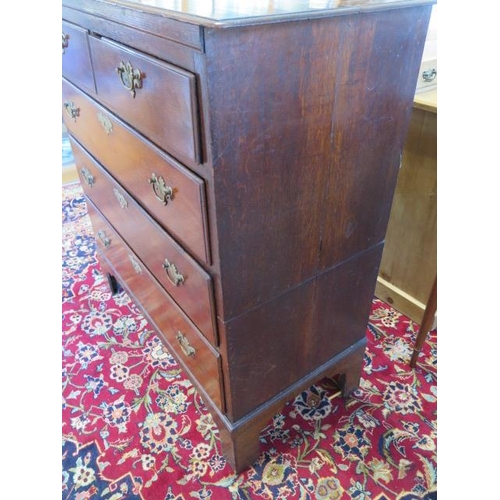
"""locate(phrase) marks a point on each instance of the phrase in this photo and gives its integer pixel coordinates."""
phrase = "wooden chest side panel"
(344, 299)
(307, 125)
(273, 346)
(265, 349)
(373, 101)
(271, 102)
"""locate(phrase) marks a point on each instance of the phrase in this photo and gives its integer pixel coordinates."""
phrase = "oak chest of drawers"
(239, 166)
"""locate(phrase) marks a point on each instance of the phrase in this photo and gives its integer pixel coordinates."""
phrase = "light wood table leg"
(425, 326)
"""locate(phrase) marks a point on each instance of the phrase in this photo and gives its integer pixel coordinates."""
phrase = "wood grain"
(409, 261)
(161, 26)
(299, 330)
(165, 108)
(204, 364)
(152, 244)
(76, 63)
(131, 159)
(305, 159)
(373, 106)
(148, 43)
(225, 15)
(271, 147)
(296, 129)
(240, 440)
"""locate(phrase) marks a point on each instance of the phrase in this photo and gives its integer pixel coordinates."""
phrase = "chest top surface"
(229, 13)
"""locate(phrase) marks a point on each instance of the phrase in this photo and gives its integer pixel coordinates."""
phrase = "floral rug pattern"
(133, 427)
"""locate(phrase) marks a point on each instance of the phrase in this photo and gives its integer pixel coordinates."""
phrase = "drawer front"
(143, 169)
(186, 282)
(197, 356)
(158, 99)
(76, 63)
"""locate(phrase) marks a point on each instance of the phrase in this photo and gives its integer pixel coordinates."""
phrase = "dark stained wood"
(131, 160)
(171, 29)
(76, 63)
(299, 330)
(343, 300)
(261, 343)
(373, 101)
(165, 109)
(296, 129)
(271, 145)
(236, 14)
(240, 440)
(155, 45)
(151, 244)
(305, 159)
(204, 364)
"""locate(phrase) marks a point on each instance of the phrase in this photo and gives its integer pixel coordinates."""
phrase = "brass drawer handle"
(87, 176)
(131, 78)
(105, 122)
(65, 39)
(173, 274)
(163, 192)
(104, 239)
(186, 347)
(121, 199)
(72, 110)
(135, 264)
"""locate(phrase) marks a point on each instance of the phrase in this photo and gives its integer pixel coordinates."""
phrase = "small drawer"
(181, 276)
(194, 353)
(76, 62)
(143, 169)
(157, 98)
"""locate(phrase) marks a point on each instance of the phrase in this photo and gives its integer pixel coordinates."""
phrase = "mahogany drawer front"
(181, 276)
(200, 359)
(76, 61)
(141, 167)
(162, 103)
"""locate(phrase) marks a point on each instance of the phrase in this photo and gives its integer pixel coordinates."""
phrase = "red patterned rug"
(133, 426)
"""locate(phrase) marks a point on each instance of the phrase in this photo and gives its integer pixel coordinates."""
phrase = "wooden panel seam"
(312, 278)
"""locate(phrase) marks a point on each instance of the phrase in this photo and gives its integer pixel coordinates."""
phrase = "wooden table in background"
(408, 266)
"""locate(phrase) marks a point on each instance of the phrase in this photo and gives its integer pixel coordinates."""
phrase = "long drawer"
(159, 99)
(76, 62)
(197, 356)
(171, 193)
(181, 276)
